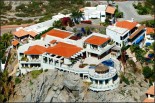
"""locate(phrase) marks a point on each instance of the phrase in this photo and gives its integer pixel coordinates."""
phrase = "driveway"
(130, 12)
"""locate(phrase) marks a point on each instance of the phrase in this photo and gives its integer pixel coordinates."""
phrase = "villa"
(87, 57)
(100, 12)
(22, 34)
(150, 95)
(149, 37)
(128, 31)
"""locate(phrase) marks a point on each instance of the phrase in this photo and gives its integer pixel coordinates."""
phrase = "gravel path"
(130, 12)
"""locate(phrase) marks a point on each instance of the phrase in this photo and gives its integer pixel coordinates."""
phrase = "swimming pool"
(108, 62)
(92, 67)
(150, 55)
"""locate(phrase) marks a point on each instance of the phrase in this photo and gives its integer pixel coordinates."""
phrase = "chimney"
(132, 19)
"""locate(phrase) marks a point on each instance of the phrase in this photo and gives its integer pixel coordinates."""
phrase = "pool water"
(108, 63)
(150, 55)
(92, 67)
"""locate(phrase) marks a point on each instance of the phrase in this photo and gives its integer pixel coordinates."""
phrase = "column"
(98, 47)
(59, 62)
(87, 55)
(53, 62)
(103, 83)
(110, 81)
(98, 83)
(93, 81)
(83, 76)
(48, 59)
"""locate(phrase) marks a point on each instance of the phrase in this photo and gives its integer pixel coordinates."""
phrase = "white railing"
(32, 68)
(104, 76)
(96, 87)
(101, 50)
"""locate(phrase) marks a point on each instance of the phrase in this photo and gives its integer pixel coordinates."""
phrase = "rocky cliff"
(58, 86)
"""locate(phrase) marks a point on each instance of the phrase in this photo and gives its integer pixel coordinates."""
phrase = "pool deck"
(96, 61)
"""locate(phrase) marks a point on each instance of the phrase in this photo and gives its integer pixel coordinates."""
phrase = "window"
(122, 38)
(117, 43)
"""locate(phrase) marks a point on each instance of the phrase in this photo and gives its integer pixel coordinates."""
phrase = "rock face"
(57, 86)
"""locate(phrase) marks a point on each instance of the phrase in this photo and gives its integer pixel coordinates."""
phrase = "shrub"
(82, 65)
(39, 35)
(125, 80)
(92, 64)
(31, 83)
(147, 72)
(46, 70)
(88, 4)
(17, 80)
(132, 81)
(35, 73)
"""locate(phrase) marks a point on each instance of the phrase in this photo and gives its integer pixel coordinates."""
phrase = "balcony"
(112, 72)
(31, 68)
(96, 87)
(136, 36)
(101, 50)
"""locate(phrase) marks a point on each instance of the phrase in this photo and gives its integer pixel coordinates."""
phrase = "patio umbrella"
(101, 68)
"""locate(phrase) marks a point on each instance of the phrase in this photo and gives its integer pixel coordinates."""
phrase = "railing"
(108, 75)
(32, 68)
(96, 87)
(102, 50)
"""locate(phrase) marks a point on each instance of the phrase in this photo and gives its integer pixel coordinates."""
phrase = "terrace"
(136, 37)
(96, 87)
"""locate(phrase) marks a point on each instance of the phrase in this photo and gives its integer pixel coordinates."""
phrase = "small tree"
(147, 72)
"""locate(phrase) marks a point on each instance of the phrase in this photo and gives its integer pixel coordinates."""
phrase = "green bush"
(17, 80)
(31, 83)
(39, 35)
(142, 10)
(124, 79)
(46, 70)
(35, 73)
(147, 72)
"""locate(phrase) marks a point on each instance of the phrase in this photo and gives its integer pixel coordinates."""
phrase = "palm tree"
(87, 30)
(123, 51)
(57, 24)
(6, 87)
(7, 38)
(76, 16)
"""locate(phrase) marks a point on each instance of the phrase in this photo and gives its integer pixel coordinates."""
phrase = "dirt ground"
(8, 28)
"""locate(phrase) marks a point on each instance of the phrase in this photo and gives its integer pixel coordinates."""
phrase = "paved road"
(130, 12)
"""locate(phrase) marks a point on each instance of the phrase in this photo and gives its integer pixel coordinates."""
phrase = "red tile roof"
(53, 41)
(63, 49)
(15, 42)
(33, 34)
(110, 9)
(149, 30)
(126, 24)
(151, 90)
(36, 49)
(149, 100)
(21, 33)
(57, 33)
(96, 40)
